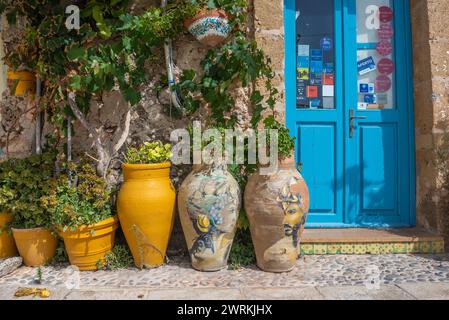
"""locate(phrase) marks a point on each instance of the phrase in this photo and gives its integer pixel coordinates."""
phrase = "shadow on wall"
(432, 195)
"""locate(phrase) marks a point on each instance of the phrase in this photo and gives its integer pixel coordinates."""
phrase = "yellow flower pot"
(7, 244)
(146, 205)
(88, 245)
(26, 83)
(36, 246)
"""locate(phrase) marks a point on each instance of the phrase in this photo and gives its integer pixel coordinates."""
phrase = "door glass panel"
(315, 56)
(375, 55)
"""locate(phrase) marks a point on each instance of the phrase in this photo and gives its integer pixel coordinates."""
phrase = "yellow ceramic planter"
(26, 83)
(145, 205)
(88, 245)
(36, 246)
(7, 244)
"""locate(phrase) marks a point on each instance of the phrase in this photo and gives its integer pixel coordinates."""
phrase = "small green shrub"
(119, 258)
(61, 256)
(286, 143)
(84, 199)
(24, 183)
(242, 252)
(149, 152)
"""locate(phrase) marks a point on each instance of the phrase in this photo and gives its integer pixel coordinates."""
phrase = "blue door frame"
(367, 180)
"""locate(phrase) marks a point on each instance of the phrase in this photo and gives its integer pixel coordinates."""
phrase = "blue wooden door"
(348, 100)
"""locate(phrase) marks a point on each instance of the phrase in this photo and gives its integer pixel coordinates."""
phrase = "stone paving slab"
(384, 292)
(412, 291)
(195, 294)
(302, 293)
(424, 291)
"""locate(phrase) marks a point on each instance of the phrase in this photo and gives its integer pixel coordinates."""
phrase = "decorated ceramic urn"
(210, 27)
(209, 203)
(277, 205)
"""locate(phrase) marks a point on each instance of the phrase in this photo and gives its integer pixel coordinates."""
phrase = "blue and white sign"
(366, 65)
(366, 88)
(326, 44)
(370, 98)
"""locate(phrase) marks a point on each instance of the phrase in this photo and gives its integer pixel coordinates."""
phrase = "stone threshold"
(370, 241)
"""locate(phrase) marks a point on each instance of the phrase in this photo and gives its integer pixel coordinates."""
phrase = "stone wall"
(269, 34)
(431, 91)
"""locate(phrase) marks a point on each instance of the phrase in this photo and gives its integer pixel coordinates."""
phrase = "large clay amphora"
(209, 204)
(277, 205)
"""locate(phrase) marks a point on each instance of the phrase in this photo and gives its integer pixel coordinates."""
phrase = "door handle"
(352, 119)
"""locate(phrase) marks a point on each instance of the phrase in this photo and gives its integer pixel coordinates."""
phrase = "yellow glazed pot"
(26, 83)
(145, 205)
(36, 246)
(88, 245)
(7, 244)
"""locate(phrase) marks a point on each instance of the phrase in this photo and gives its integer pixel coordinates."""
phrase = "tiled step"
(370, 241)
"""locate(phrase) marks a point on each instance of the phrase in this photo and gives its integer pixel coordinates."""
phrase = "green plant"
(61, 256)
(29, 179)
(78, 197)
(119, 258)
(239, 60)
(38, 277)
(149, 152)
(286, 143)
(8, 191)
(242, 252)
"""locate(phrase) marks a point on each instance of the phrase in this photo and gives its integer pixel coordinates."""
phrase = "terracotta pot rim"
(99, 225)
(17, 230)
(23, 75)
(205, 12)
(149, 166)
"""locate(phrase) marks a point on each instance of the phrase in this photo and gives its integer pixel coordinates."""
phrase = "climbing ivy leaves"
(238, 60)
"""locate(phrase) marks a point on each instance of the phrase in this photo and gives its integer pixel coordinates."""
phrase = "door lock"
(352, 118)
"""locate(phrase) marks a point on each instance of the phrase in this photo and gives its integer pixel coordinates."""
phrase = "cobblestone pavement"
(402, 276)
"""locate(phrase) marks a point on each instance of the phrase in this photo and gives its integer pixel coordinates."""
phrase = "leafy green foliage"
(119, 258)
(83, 199)
(27, 180)
(61, 256)
(238, 60)
(8, 191)
(242, 252)
(149, 152)
(286, 143)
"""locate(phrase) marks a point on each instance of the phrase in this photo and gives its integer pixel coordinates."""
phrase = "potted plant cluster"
(146, 202)
(80, 205)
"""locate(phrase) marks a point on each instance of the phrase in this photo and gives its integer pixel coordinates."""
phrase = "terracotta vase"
(88, 245)
(209, 203)
(210, 27)
(277, 207)
(7, 244)
(146, 209)
(36, 246)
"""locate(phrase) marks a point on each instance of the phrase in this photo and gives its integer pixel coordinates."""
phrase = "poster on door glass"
(375, 54)
(315, 58)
